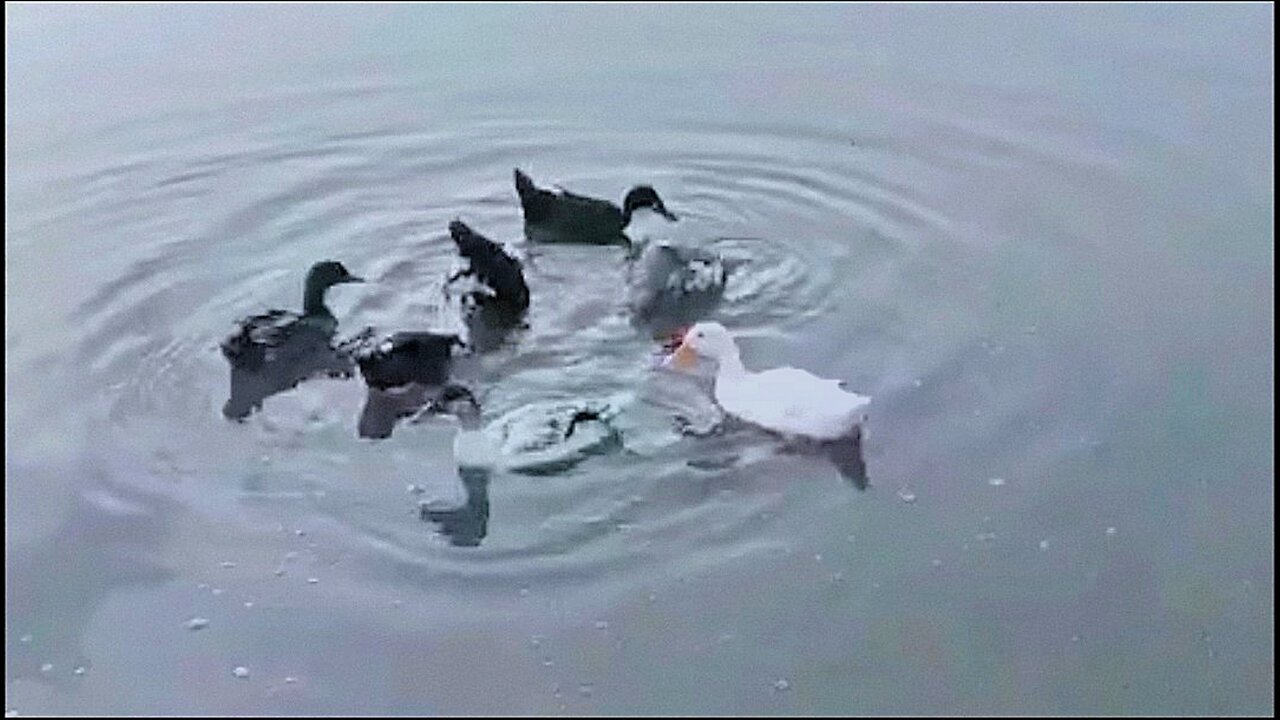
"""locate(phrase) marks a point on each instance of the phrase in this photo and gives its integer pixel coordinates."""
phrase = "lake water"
(1041, 237)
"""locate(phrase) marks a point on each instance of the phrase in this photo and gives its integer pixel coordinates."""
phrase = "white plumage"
(786, 400)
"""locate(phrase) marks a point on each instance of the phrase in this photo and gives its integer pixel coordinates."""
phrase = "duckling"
(564, 217)
(275, 351)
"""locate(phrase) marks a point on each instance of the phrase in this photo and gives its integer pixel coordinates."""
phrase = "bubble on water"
(1075, 638)
(202, 586)
(248, 603)
(312, 580)
(602, 625)
(837, 577)
(586, 689)
(1111, 531)
(47, 667)
(291, 555)
(781, 685)
(1044, 544)
(197, 623)
(937, 563)
(548, 662)
(524, 592)
(985, 536)
(217, 591)
(279, 572)
(906, 495)
(917, 382)
(291, 680)
(995, 481)
(80, 670)
(300, 533)
(241, 672)
(653, 597)
(26, 639)
(535, 641)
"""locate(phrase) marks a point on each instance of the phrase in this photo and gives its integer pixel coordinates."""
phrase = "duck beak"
(684, 357)
(667, 214)
(353, 279)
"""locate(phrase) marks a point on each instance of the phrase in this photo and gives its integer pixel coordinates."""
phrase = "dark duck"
(277, 350)
(559, 216)
(499, 297)
(403, 372)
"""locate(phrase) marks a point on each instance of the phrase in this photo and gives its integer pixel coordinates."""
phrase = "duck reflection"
(846, 455)
(467, 525)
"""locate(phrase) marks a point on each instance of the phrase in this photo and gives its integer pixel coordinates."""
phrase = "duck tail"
(524, 185)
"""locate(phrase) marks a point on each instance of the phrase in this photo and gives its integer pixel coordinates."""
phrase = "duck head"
(328, 273)
(707, 339)
(644, 196)
(322, 276)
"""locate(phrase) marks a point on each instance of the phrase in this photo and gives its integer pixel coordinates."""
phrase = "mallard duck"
(278, 349)
(559, 216)
(789, 401)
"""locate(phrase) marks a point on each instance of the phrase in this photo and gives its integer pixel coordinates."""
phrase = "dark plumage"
(500, 274)
(564, 217)
(274, 351)
(424, 358)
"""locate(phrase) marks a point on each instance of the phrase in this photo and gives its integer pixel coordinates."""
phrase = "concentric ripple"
(664, 488)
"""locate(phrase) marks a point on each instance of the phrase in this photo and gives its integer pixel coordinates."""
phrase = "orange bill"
(684, 357)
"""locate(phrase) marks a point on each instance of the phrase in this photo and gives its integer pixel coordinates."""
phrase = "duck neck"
(313, 299)
(731, 365)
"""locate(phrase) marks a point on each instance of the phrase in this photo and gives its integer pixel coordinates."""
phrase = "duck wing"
(793, 402)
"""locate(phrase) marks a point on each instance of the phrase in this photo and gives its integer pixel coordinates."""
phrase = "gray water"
(1040, 237)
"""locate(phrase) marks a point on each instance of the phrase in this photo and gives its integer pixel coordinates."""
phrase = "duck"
(673, 286)
(559, 216)
(405, 357)
(787, 401)
(274, 351)
(500, 276)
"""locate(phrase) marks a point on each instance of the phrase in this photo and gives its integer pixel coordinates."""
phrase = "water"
(1040, 237)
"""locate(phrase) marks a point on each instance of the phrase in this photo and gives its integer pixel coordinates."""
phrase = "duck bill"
(353, 279)
(684, 357)
(667, 214)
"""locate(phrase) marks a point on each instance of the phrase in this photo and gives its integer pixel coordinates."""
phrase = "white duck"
(786, 400)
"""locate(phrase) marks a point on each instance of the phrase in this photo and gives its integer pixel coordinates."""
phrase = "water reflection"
(467, 525)
(384, 407)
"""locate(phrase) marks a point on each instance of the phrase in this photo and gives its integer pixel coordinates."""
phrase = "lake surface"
(1040, 237)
